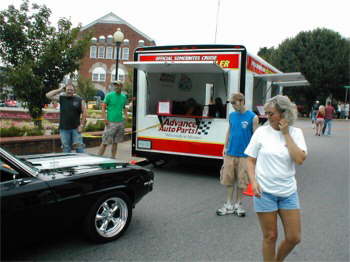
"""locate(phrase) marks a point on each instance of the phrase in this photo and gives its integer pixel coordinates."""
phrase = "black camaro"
(41, 193)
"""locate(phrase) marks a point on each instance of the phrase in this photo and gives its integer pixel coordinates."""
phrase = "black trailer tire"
(108, 218)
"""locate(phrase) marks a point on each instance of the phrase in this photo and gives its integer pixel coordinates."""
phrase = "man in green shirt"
(113, 133)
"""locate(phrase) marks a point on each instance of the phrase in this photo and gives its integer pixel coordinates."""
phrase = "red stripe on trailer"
(257, 67)
(186, 147)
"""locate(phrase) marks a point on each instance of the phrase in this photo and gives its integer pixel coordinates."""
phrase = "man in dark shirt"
(72, 117)
(329, 112)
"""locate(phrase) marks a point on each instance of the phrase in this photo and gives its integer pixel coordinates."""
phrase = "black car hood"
(70, 164)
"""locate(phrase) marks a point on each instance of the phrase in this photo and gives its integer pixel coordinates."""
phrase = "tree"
(128, 84)
(266, 53)
(321, 55)
(36, 55)
(86, 89)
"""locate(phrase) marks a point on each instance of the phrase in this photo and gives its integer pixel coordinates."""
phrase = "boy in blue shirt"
(242, 124)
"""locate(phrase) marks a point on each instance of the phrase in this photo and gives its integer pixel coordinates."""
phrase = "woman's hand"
(256, 189)
(283, 126)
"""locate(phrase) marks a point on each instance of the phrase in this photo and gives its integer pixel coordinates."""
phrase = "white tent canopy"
(285, 79)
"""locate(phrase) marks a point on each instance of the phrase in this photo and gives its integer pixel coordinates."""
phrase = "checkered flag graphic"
(204, 127)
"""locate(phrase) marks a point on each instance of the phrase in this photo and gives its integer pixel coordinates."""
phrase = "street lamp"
(118, 37)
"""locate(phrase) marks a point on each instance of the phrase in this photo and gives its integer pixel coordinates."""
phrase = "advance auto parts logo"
(185, 127)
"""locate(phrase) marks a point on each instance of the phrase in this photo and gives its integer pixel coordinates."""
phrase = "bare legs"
(114, 150)
(103, 147)
(292, 230)
(229, 194)
(319, 127)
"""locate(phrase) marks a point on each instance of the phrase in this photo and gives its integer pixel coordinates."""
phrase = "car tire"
(108, 218)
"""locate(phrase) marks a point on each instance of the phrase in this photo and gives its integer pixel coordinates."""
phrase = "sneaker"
(226, 209)
(239, 211)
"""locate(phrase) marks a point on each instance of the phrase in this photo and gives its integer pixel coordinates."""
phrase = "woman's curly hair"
(285, 107)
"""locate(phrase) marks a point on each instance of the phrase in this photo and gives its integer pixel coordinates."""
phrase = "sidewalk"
(123, 152)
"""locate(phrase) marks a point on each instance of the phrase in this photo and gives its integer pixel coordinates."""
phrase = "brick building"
(99, 62)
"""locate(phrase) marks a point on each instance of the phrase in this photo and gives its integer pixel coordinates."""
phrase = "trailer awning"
(285, 79)
(177, 67)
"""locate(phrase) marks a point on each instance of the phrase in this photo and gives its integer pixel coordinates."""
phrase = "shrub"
(98, 126)
(128, 123)
(12, 131)
(34, 132)
(55, 131)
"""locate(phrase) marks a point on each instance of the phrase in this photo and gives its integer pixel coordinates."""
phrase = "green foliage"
(266, 53)
(128, 123)
(128, 85)
(55, 131)
(86, 89)
(321, 55)
(98, 126)
(12, 131)
(36, 55)
(34, 131)
(20, 131)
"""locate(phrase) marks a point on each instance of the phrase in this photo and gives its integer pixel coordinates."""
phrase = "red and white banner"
(258, 67)
(223, 60)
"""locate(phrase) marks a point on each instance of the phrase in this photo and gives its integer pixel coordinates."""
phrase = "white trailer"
(167, 77)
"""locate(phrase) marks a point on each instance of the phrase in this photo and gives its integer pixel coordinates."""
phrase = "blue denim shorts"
(269, 203)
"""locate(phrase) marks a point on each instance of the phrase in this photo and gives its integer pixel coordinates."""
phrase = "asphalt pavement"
(123, 152)
(177, 220)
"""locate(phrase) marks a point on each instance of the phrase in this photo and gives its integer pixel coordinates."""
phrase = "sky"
(252, 23)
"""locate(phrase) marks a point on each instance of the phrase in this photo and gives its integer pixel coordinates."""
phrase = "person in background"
(338, 110)
(114, 103)
(72, 117)
(347, 109)
(328, 117)
(218, 109)
(272, 154)
(192, 108)
(320, 120)
(233, 174)
(314, 110)
(342, 110)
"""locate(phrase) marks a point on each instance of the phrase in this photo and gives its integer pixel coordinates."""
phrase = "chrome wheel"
(111, 217)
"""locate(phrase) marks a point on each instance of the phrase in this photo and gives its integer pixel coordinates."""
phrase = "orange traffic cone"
(249, 191)
(133, 162)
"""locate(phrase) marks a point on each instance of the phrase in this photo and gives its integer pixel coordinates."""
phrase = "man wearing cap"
(113, 133)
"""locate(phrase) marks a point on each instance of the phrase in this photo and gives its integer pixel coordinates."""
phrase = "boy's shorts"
(270, 203)
(113, 133)
(234, 170)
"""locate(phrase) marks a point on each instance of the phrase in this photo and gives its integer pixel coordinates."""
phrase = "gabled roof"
(111, 18)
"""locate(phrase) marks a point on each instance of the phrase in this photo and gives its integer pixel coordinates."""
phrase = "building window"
(121, 75)
(93, 51)
(99, 74)
(125, 53)
(101, 52)
(109, 52)
(115, 53)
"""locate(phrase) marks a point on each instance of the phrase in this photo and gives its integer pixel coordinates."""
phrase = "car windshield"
(11, 159)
